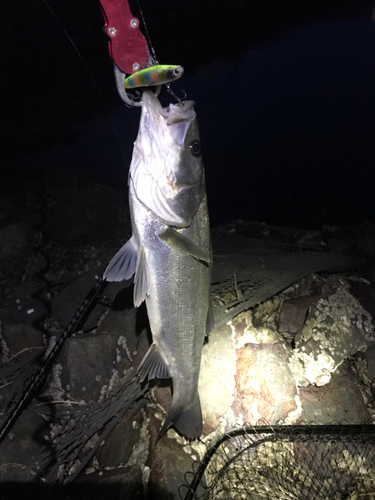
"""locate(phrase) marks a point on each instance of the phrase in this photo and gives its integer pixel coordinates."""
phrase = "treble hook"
(170, 91)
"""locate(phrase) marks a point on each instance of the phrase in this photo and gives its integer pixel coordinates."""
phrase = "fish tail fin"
(187, 419)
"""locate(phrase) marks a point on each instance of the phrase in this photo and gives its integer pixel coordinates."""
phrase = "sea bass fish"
(170, 252)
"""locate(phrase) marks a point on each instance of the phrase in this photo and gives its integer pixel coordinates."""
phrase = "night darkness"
(284, 93)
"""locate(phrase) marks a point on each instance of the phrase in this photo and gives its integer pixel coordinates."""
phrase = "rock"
(67, 301)
(244, 332)
(370, 356)
(121, 483)
(342, 238)
(265, 315)
(92, 362)
(88, 365)
(19, 337)
(20, 449)
(26, 310)
(216, 379)
(122, 324)
(339, 400)
(337, 326)
(168, 462)
(365, 294)
(119, 445)
(293, 314)
(265, 387)
(162, 392)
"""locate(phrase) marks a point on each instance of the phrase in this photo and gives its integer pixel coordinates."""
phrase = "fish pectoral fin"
(182, 245)
(124, 264)
(153, 366)
(141, 280)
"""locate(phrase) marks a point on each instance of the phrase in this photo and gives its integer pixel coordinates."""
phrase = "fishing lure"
(159, 74)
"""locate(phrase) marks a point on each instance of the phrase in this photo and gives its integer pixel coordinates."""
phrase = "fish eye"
(195, 148)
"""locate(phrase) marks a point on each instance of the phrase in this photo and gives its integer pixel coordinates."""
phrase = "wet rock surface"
(303, 353)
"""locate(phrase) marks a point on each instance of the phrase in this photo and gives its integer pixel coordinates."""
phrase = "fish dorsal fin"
(182, 245)
(153, 366)
(141, 280)
(124, 264)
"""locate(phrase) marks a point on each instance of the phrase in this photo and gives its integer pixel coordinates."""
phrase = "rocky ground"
(298, 349)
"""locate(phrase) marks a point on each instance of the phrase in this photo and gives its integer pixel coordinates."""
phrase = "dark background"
(284, 91)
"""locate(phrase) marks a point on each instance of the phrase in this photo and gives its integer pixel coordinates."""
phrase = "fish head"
(167, 168)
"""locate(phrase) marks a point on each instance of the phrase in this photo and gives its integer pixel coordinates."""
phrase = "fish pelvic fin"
(182, 245)
(124, 264)
(141, 280)
(153, 366)
(186, 419)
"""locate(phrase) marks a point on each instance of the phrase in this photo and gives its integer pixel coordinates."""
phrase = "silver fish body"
(170, 253)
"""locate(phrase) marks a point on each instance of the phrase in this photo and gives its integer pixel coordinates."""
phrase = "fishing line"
(92, 78)
(147, 33)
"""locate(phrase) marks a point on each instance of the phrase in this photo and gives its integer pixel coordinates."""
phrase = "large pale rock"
(216, 379)
(265, 387)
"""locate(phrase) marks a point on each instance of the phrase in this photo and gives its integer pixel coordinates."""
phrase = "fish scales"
(170, 253)
(177, 316)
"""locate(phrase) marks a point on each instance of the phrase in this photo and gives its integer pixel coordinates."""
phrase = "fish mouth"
(151, 103)
(172, 114)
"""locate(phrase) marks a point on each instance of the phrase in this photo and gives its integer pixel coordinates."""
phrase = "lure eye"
(195, 148)
(176, 71)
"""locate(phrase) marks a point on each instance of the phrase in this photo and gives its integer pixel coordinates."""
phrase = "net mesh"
(309, 462)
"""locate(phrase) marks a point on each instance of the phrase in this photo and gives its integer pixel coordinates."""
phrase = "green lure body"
(155, 75)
